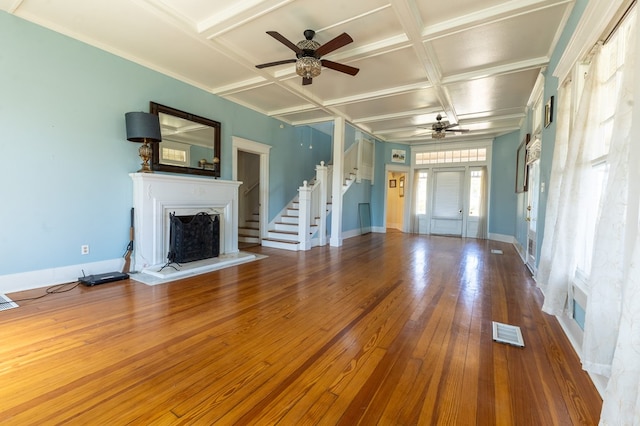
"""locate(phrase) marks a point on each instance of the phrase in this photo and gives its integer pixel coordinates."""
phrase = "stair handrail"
(251, 188)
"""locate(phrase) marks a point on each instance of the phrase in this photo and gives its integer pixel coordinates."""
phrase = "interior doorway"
(396, 192)
(250, 162)
(249, 197)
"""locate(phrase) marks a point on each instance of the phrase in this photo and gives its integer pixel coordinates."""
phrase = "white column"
(304, 217)
(338, 179)
(321, 176)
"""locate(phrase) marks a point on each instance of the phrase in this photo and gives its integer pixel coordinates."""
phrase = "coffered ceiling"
(475, 62)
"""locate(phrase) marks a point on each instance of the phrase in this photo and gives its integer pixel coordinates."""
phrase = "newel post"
(322, 174)
(304, 216)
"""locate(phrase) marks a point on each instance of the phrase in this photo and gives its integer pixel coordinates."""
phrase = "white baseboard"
(574, 334)
(509, 239)
(54, 276)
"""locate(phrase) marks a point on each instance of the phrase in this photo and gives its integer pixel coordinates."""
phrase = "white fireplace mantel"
(157, 195)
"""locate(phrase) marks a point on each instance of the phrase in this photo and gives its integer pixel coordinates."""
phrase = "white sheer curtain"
(568, 188)
(612, 326)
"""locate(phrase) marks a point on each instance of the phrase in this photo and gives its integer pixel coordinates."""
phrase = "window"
(610, 65)
(453, 156)
(421, 193)
(475, 193)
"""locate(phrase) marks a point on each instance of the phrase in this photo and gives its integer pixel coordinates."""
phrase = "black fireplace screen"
(193, 237)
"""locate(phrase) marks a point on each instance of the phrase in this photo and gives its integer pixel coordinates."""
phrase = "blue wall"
(66, 159)
(383, 157)
(502, 217)
(357, 193)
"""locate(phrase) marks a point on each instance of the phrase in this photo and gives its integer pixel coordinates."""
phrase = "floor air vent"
(496, 251)
(505, 333)
(6, 303)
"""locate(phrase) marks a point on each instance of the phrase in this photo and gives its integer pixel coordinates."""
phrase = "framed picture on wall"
(398, 155)
(401, 190)
(548, 112)
(392, 183)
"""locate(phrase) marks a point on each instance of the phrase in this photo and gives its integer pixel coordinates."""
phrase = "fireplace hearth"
(193, 237)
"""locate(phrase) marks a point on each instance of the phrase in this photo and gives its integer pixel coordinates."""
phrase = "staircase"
(288, 232)
(303, 223)
(285, 230)
(250, 232)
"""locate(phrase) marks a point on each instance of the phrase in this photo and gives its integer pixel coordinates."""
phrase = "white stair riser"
(290, 219)
(287, 227)
(279, 245)
(281, 236)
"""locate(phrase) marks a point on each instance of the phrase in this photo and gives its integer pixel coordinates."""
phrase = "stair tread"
(280, 241)
(273, 231)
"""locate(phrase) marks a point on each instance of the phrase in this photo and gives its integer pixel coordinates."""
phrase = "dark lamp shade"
(142, 126)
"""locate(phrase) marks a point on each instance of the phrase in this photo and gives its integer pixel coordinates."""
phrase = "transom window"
(453, 156)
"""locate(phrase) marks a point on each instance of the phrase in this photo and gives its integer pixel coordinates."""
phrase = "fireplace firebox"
(193, 237)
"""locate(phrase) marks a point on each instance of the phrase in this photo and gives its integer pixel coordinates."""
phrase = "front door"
(447, 214)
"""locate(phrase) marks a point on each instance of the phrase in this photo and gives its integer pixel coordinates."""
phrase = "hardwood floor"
(389, 329)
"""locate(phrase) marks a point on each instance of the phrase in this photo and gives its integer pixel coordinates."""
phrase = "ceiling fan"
(439, 128)
(309, 53)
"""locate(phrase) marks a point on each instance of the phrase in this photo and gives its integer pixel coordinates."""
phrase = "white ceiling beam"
(497, 13)
(10, 5)
(524, 65)
(237, 14)
(409, 17)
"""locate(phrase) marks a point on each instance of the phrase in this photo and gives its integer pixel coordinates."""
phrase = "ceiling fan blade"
(306, 81)
(457, 130)
(284, 41)
(271, 64)
(339, 67)
(341, 40)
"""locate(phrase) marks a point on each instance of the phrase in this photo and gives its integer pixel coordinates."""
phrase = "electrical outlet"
(84, 249)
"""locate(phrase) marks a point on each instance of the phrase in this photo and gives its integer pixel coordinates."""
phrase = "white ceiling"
(474, 61)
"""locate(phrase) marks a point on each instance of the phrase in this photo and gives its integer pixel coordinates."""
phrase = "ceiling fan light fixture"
(437, 135)
(308, 67)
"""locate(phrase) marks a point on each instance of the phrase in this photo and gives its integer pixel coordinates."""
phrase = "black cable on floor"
(54, 289)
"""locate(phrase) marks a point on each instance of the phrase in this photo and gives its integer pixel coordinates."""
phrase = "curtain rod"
(619, 22)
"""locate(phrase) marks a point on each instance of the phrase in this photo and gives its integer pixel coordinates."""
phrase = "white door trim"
(408, 193)
(246, 145)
